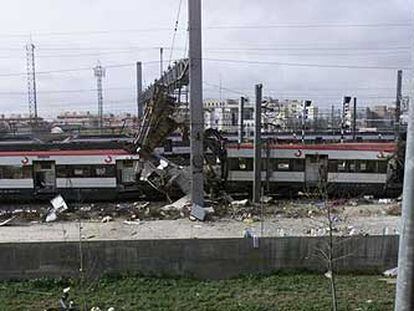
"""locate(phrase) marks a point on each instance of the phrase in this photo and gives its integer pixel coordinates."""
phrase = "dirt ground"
(288, 218)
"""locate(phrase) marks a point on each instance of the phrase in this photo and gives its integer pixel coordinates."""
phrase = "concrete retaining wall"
(200, 258)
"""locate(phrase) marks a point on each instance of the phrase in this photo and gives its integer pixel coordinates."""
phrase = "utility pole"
(140, 104)
(398, 105)
(99, 72)
(405, 281)
(196, 102)
(241, 119)
(354, 119)
(161, 62)
(31, 82)
(345, 120)
(257, 164)
(304, 117)
(333, 119)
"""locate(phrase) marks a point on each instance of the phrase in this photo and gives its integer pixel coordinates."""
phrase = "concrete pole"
(241, 119)
(257, 161)
(196, 102)
(140, 104)
(405, 281)
(398, 105)
(161, 62)
(303, 125)
(354, 119)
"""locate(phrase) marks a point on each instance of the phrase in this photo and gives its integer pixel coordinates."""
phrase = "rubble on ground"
(58, 206)
(391, 273)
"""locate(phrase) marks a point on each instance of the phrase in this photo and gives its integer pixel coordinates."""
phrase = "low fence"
(200, 258)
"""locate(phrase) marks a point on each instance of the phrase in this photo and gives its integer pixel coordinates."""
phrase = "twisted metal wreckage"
(164, 114)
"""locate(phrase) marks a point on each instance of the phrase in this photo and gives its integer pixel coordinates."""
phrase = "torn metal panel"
(58, 206)
(198, 212)
(7, 222)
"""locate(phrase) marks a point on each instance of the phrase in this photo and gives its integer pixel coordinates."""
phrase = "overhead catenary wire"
(388, 25)
(176, 24)
(74, 69)
(297, 64)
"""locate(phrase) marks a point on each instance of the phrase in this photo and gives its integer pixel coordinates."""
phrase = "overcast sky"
(290, 37)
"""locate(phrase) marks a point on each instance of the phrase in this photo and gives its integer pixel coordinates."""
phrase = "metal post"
(257, 164)
(354, 119)
(140, 104)
(161, 62)
(31, 83)
(398, 105)
(405, 281)
(303, 125)
(268, 164)
(99, 74)
(196, 102)
(241, 119)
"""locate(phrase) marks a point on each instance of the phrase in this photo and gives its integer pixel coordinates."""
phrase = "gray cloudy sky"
(76, 33)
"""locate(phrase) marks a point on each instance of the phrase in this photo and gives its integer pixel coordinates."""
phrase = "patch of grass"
(275, 292)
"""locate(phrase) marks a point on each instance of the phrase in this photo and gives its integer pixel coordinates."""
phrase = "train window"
(332, 166)
(62, 171)
(352, 166)
(341, 166)
(45, 165)
(297, 165)
(371, 167)
(245, 164)
(81, 171)
(128, 163)
(283, 165)
(104, 171)
(15, 172)
(382, 167)
(362, 166)
(84, 171)
(27, 172)
(100, 171)
(233, 164)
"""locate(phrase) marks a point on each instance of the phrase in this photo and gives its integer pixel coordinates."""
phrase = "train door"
(44, 176)
(316, 170)
(125, 173)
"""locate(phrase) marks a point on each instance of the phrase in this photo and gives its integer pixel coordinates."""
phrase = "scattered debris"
(106, 219)
(65, 302)
(139, 205)
(385, 201)
(59, 206)
(266, 199)
(198, 212)
(7, 222)
(240, 203)
(391, 273)
(328, 274)
(132, 222)
(393, 210)
(178, 205)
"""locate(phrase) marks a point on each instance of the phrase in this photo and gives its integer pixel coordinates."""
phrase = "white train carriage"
(345, 168)
(77, 174)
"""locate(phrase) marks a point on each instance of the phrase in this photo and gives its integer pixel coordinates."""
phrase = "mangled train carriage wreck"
(152, 165)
